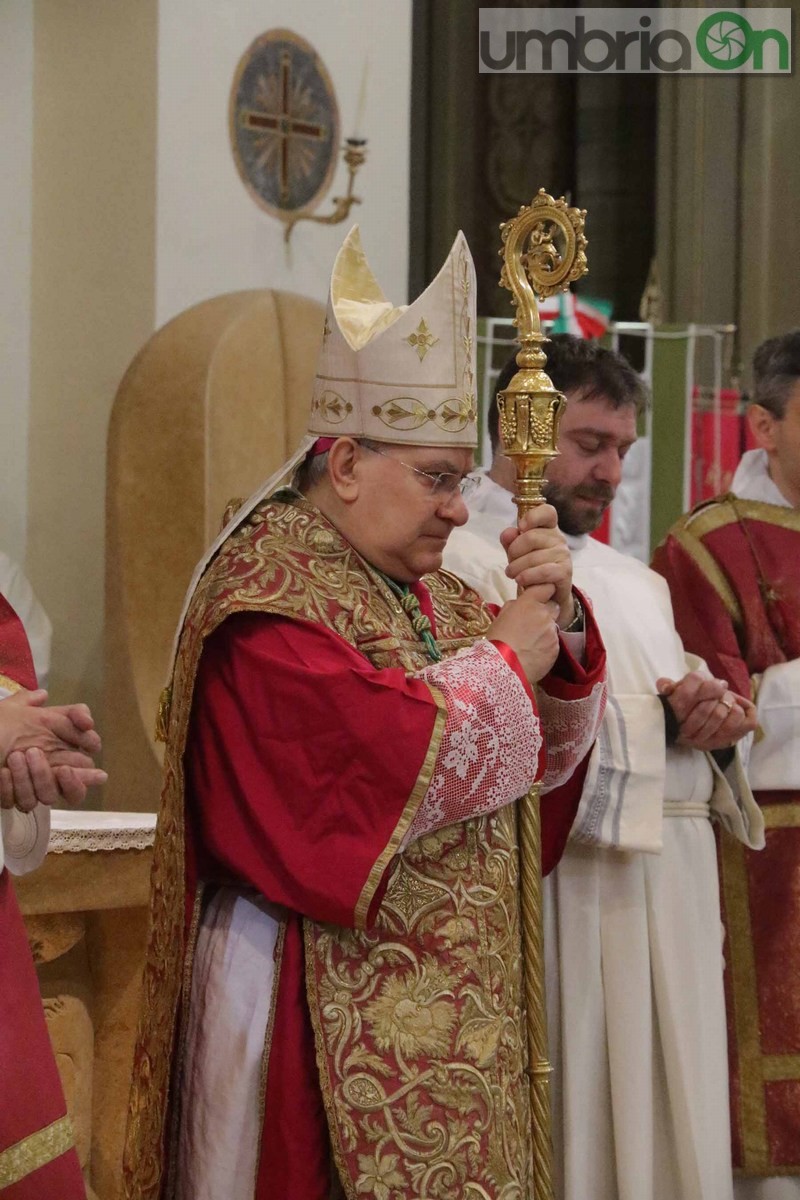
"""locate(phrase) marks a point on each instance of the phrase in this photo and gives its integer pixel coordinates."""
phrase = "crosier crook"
(536, 264)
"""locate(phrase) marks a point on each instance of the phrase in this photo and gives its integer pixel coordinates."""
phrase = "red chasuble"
(301, 744)
(312, 719)
(37, 1154)
(733, 567)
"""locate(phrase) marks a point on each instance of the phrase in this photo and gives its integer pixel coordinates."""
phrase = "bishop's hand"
(528, 626)
(538, 555)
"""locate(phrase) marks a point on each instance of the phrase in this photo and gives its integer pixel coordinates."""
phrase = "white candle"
(361, 106)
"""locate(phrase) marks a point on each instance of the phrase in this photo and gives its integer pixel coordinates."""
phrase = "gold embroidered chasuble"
(418, 1021)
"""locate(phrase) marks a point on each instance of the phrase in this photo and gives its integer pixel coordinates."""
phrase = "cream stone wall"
(120, 206)
(211, 236)
(16, 145)
(92, 296)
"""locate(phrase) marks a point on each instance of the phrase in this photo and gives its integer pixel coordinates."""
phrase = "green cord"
(419, 622)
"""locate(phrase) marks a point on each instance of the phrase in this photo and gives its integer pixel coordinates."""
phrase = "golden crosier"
(544, 250)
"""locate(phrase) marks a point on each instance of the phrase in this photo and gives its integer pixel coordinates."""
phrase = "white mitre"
(390, 374)
(404, 375)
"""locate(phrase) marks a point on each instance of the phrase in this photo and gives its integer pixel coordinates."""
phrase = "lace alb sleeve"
(492, 740)
(570, 728)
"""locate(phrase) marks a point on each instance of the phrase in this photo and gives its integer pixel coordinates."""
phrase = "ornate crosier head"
(544, 251)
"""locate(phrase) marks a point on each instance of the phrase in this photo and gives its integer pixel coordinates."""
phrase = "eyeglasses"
(440, 483)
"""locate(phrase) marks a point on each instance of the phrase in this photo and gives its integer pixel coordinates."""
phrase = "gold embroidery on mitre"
(331, 407)
(466, 331)
(406, 413)
(9, 684)
(35, 1151)
(439, 326)
(421, 340)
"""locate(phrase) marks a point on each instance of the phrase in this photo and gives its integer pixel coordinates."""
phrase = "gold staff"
(543, 252)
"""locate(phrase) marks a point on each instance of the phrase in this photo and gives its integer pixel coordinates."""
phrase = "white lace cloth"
(570, 728)
(489, 752)
(71, 832)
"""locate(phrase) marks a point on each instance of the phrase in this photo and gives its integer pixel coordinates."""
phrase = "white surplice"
(633, 931)
(35, 621)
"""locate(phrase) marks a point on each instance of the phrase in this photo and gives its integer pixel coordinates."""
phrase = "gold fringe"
(262, 1083)
(712, 571)
(717, 514)
(35, 1151)
(408, 814)
(781, 816)
(755, 1148)
(314, 1008)
(780, 1067)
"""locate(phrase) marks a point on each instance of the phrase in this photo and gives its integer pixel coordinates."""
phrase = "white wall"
(115, 217)
(211, 235)
(16, 147)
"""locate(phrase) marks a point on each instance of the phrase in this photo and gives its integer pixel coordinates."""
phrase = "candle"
(361, 106)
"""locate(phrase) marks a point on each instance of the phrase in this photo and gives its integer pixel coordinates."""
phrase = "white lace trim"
(570, 728)
(489, 752)
(72, 832)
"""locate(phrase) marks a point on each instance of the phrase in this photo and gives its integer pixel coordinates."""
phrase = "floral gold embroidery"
(407, 413)
(413, 1014)
(331, 407)
(421, 340)
(379, 1176)
(420, 1024)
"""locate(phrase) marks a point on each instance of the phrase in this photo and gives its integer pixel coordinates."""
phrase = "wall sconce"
(354, 153)
(284, 129)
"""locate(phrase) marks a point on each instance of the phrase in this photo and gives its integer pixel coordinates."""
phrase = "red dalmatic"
(733, 567)
(37, 1146)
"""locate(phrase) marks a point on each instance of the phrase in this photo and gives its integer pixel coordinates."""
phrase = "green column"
(669, 426)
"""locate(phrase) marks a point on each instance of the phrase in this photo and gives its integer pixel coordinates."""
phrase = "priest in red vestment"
(43, 760)
(332, 997)
(733, 566)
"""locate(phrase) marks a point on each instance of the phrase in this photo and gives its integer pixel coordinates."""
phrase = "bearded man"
(333, 987)
(635, 995)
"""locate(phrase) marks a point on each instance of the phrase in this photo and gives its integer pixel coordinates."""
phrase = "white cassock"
(19, 594)
(633, 933)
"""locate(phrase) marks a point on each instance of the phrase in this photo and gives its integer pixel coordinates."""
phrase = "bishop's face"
(593, 439)
(402, 518)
